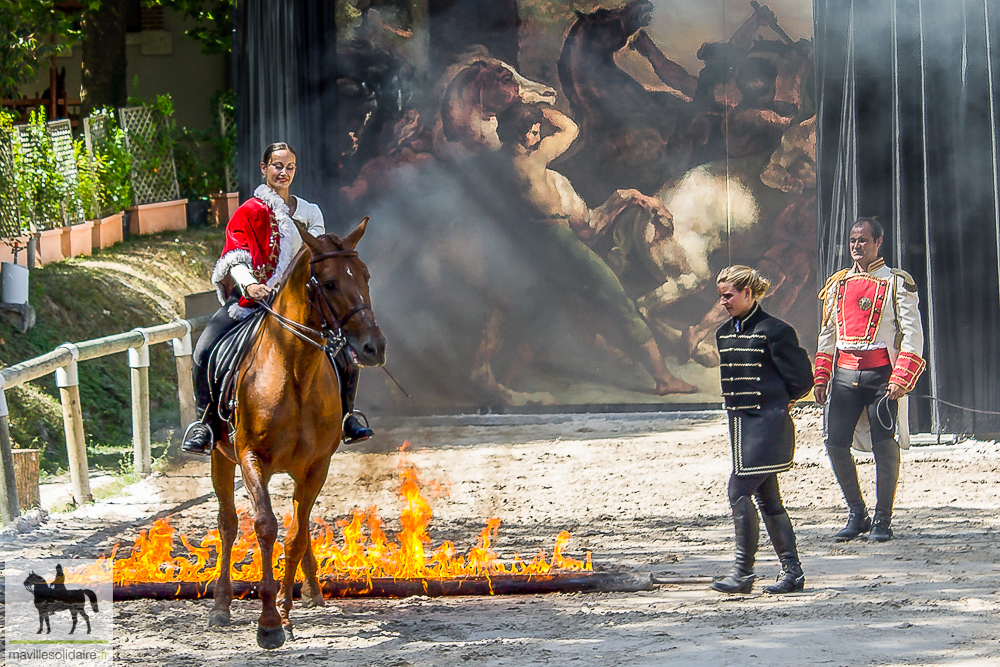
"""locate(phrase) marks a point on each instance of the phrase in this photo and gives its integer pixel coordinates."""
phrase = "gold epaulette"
(908, 282)
(831, 281)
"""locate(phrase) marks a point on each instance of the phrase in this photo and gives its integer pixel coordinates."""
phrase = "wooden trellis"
(61, 134)
(10, 218)
(153, 177)
(29, 144)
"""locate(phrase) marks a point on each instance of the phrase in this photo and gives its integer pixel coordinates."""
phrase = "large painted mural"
(553, 187)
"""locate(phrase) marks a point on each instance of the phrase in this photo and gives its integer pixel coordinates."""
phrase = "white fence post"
(185, 380)
(8, 485)
(68, 381)
(138, 361)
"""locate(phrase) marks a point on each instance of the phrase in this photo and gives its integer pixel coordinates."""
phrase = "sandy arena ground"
(643, 493)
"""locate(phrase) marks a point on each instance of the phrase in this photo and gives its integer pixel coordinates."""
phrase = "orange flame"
(362, 552)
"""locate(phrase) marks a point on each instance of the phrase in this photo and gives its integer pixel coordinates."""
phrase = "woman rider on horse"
(261, 241)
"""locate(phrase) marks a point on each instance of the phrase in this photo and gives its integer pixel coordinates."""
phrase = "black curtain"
(285, 72)
(907, 97)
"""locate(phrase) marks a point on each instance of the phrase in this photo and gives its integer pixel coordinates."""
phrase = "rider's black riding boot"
(354, 430)
(747, 525)
(791, 578)
(198, 438)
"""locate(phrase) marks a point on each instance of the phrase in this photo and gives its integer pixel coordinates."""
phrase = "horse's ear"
(359, 231)
(307, 238)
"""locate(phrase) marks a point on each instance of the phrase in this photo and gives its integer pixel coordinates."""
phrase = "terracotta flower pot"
(224, 204)
(49, 247)
(107, 231)
(78, 239)
(159, 217)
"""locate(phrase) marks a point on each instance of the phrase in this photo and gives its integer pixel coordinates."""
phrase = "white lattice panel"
(142, 132)
(227, 123)
(61, 133)
(10, 219)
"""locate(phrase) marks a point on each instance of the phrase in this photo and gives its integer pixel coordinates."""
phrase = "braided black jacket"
(763, 369)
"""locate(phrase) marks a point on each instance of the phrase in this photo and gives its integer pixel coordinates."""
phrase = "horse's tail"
(93, 598)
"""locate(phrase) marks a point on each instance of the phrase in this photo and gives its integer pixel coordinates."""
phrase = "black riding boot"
(846, 472)
(354, 430)
(747, 525)
(886, 477)
(198, 437)
(791, 578)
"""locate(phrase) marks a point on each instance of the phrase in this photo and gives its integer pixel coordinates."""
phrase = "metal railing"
(63, 362)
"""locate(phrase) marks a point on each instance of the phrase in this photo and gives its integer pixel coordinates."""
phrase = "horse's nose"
(373, 350)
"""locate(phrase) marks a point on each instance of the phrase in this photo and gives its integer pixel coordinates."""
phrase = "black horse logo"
(55, 598)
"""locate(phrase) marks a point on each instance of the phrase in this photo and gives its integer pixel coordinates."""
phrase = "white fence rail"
(63, 362)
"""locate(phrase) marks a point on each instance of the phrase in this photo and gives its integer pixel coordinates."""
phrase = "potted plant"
(107, 194)
(150, 133)
(42, 188)
(12, 231)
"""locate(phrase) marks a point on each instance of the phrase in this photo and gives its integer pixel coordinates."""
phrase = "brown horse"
(288, 415)
(476, 92)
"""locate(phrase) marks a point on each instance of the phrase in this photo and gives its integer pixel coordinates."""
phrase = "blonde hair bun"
(742, 277)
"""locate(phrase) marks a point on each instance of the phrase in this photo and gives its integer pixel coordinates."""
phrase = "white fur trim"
(287, 231)
(222, 267)
(238, 312)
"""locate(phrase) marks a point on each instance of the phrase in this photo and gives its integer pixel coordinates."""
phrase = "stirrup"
(211, 437)
(362, 420)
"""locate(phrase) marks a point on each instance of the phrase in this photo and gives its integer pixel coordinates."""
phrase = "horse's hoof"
(218, 618)
(270, 638)
(289, 635)
(310, 602)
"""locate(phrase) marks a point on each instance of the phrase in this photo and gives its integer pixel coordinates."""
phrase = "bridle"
(331, 331)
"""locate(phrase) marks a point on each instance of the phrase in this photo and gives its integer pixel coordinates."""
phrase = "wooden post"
(68, 382)
(138, 361)
(185, 380)
(8, 484)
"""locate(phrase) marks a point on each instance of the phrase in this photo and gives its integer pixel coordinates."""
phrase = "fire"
(361, 551)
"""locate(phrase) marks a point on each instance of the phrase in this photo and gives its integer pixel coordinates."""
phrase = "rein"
(331, 331)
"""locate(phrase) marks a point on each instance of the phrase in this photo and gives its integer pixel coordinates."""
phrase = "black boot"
(881, 532)
(846, 472)
(354, 430)
(747, 525)
(198, 437)
(350, 375)
(886, 477)
(791, 578)
(856, 525)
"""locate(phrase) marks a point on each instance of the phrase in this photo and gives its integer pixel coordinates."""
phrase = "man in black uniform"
(764, 370)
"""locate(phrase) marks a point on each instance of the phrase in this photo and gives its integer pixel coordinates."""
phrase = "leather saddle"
(225, 359)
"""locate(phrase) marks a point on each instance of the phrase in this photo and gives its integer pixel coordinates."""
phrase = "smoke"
(701, 216)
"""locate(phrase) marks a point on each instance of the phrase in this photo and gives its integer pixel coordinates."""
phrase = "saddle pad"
(225, 360)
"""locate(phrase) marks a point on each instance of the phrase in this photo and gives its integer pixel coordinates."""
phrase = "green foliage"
(213, 22)
(109, 190)
(42, 188)
(27, 26)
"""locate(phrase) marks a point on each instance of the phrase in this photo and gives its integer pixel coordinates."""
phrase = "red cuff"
(907, 369)
(824, 368)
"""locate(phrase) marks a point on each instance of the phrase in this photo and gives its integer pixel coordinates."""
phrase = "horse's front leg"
(41, 621)
(255, 477)
(298, 545)
(72, 612)
(223, 476)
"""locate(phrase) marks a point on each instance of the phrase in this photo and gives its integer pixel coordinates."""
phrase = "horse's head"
(33, 580)
(340, 291)
(608, 30)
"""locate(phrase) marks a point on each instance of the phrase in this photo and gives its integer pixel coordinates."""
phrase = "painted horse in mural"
(476, 91)
(288, 416)
(632, 137)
